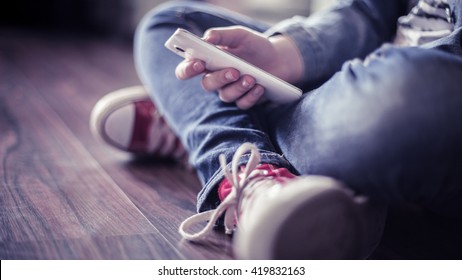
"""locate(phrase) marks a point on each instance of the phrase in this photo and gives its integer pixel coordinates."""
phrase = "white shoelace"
(239, 181)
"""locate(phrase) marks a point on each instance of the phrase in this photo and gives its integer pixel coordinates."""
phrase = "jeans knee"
(381, 124)
(400, 82)
(413, 72)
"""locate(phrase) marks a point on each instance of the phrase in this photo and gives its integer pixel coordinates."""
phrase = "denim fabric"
(386, 125)
(363, 25)
(206, 126)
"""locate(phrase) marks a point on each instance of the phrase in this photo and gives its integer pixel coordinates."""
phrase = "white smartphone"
(188, 45)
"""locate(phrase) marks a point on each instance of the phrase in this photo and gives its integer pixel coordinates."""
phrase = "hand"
(277, 55)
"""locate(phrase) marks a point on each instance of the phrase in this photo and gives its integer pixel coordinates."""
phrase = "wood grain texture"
(65, 195)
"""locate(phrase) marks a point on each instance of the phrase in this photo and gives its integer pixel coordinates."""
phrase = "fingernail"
(245, 83)
(230, 76)
(206, 35)
(257, 92)
(197, 66)
(206, 38)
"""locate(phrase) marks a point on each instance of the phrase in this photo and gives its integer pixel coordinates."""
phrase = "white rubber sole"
(110, 103)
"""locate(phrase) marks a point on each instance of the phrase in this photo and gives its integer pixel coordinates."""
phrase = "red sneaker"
(282, 217)
(128, 120)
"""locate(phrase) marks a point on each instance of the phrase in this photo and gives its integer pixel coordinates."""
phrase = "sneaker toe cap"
(118, 126)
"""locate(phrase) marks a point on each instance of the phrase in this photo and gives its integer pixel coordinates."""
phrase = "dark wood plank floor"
(64, 195)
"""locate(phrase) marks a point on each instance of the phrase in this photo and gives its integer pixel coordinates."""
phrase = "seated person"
(311, 179)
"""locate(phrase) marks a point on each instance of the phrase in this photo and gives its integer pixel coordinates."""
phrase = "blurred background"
(118, 18)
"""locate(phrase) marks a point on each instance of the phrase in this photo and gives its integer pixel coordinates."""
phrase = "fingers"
(231, 87)
(228, 36)
(216, 80)
(236, 90)
(189, 68)
(229, 84)
(242, 90)
(250, 98)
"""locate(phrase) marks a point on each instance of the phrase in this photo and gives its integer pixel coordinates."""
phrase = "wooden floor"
(64, 195)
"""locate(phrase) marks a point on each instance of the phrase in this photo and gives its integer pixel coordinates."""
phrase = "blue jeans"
(389, 127)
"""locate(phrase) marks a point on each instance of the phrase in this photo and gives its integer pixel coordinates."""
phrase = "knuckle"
(185, 70)
(244, 105)
(208, 82)
(230, 94)
(224, 96)
(251, 98)
(213, 81)
(247, 101)
(180, 71)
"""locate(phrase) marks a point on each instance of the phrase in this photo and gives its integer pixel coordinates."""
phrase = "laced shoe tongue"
(263, 178)
(237, 191)
(229, 205)
(281, 175)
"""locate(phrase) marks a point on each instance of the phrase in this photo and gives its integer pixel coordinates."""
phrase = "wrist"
(289, 61)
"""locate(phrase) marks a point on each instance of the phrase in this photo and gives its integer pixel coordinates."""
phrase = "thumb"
(231, 37)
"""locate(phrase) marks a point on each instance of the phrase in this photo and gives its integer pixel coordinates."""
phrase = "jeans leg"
(206, 126)
(389, 128)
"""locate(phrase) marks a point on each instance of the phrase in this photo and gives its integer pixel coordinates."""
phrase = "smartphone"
(188, 45)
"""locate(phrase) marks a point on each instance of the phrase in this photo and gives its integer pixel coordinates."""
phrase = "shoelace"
(230, 204)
